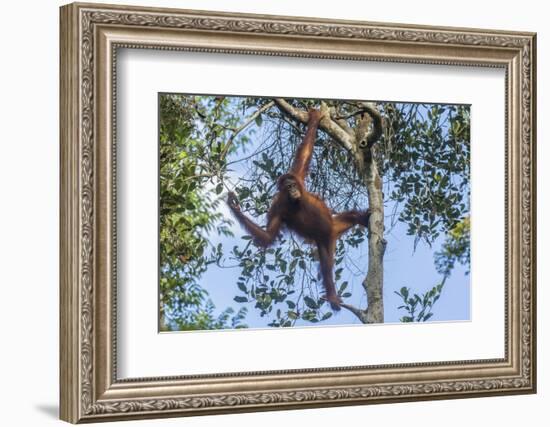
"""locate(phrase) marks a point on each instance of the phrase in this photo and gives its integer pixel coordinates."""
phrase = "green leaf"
(343, 287)
(310, 302)
(240, 299)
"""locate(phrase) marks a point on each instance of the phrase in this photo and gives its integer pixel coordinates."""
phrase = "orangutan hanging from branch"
(305, 213)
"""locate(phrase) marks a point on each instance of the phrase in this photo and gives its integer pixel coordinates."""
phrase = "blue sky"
(404, 265)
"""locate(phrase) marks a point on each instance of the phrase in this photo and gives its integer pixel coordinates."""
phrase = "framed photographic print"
(266, 212)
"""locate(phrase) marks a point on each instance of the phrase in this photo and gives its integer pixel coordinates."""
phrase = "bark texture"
(374, 281)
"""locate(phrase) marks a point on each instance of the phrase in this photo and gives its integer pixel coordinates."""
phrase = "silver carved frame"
(90, 36)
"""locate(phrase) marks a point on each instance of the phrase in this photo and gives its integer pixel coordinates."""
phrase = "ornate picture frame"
(91, 34)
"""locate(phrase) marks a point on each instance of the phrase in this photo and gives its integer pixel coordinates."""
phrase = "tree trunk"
(374, 281)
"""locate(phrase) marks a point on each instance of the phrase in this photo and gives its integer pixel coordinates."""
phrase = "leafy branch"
(419, 307)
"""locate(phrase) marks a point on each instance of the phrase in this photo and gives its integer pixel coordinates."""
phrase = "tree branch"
(289, 110)
(236, 131)
(361, 314)
(376, 131)
(329, 126)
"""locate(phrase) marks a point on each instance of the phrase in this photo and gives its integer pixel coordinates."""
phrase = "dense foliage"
(187, 215)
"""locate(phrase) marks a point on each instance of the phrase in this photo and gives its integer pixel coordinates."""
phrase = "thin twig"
(243, 126)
